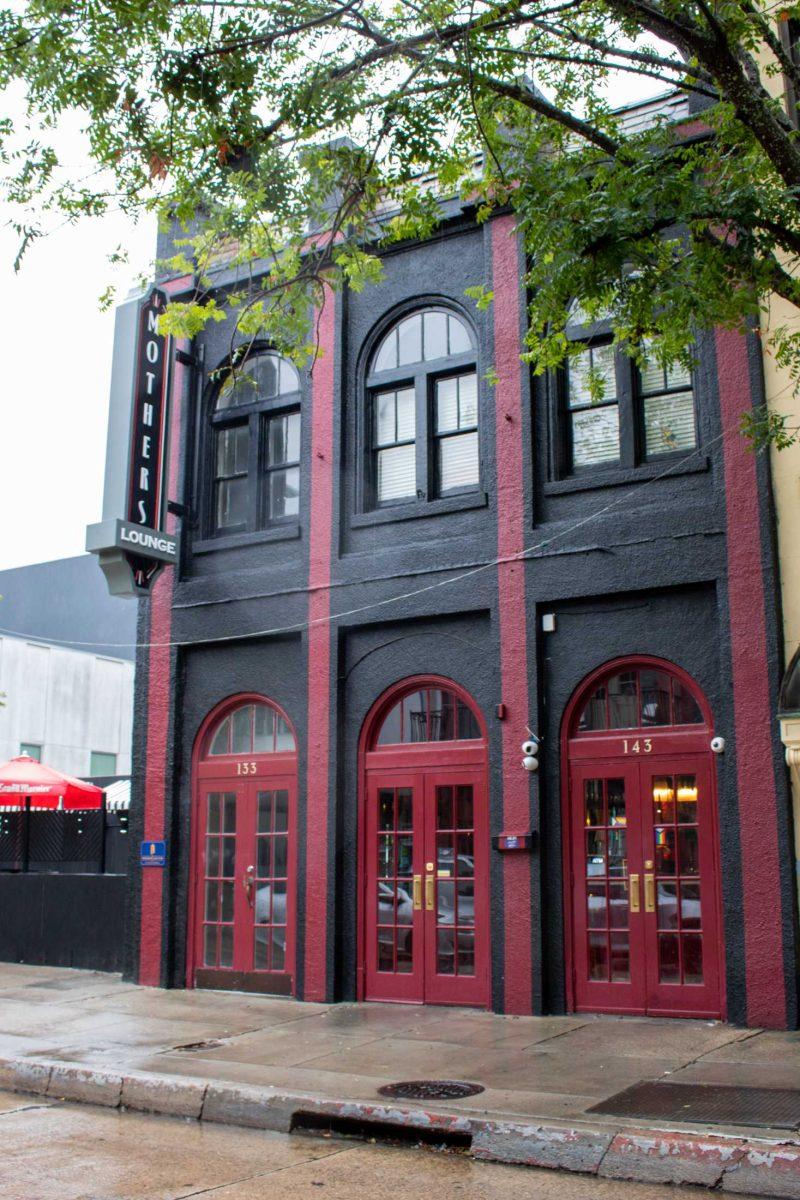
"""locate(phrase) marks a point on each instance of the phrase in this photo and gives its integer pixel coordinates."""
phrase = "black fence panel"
(63, 920)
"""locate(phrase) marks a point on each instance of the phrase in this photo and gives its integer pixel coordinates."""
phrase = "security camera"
(718, 745)
(530, 748)
(530, 763)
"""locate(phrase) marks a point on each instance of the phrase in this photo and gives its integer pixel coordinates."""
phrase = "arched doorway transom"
(641, 847)
(242, 922)
(424, 847)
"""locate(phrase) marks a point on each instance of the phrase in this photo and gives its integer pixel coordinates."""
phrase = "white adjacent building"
(70, 706)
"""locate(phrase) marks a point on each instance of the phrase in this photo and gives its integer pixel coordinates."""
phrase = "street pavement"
(269, 1064)
(60, 1151)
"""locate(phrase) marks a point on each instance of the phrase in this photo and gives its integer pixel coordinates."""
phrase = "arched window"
(614, 413)
(638, 698)
(422, 411)
(255, 423)
(252, 729)
(428, 715)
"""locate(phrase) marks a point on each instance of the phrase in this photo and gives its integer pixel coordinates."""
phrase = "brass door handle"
(417, 893)
(633, 883)
(649, 893)
(248, 882)
(429, 882)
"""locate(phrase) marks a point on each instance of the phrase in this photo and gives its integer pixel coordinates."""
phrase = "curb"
(737, 1165)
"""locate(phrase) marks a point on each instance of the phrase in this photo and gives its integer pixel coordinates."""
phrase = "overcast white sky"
(56, 352)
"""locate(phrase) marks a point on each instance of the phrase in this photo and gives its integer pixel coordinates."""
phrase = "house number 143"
(640, 746)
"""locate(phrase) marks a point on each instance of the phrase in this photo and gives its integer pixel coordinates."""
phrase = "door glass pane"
(446, 902)
(264, 812)
(229, 813)
(228, 856)
(281, 811)
(688, 852)
(227, 901)
(466, 952)
(404, 808)
(466, 903)
(593, 801)
(212, 824)
(655, 697)
(405, 951)
(669, 969)
(405, 854)
(665, 851)
(691, 912)
(280, 855)
(618, 905)
(444, 807)
(385, 809)
(598, 956)
(464, 816)
(663, 799)
(692, 958)
(445, 958)
(385, 856)
(596, 905)
(226, 946)
(242, 736)
(686, 794)
(667, 905)
(606, 879)
(210, 946)
(620, 958)
(686, 710)
(211, 910)
(623, 701)
(264, 736)
(466, 847)
(264, 858)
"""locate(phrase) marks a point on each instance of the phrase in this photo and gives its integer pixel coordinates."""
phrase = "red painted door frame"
(421, 765)
(610, 754)
(245, 775)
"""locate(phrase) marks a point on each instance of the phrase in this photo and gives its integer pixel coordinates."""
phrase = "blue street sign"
(153, 854)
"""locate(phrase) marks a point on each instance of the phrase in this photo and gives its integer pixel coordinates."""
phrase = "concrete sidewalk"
(278, 1064)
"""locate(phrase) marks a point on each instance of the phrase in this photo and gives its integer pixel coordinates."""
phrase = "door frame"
(219, 773)
(410, 758)
(603, 748)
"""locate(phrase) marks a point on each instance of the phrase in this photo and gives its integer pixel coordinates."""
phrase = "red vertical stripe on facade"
(508, 296)
(766, 1001)
(159, 699)
(319, 657)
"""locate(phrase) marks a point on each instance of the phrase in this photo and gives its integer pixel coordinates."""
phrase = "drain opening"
(325, 1125)
(430, 1089)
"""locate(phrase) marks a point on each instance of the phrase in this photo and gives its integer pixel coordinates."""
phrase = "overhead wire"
(300, 626)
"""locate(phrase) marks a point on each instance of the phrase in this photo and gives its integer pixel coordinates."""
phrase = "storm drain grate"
(430, 1089)
(709, 1104)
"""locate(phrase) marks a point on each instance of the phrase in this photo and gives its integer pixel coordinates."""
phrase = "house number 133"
(245, 768)
(640, 746)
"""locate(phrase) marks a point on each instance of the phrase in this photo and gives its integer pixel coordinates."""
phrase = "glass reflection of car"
(265, 917)
(667, 908)
(445, 901)
(386, 914)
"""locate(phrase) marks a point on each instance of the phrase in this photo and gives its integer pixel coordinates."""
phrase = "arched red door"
(641, 861)
(424, 848)
(242, 922)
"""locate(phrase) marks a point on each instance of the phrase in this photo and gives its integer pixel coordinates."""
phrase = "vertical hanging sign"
(131, 542)
(148, 447)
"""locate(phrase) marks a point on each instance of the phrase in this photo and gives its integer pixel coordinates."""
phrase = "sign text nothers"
(148, 429)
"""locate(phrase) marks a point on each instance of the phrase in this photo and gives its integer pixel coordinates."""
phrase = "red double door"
(644, 888)
(425, 886)
(244, 902)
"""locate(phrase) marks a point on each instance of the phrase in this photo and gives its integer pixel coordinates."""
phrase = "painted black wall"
(630, 564)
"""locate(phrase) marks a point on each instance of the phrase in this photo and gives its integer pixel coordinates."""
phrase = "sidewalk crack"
(263, 1174)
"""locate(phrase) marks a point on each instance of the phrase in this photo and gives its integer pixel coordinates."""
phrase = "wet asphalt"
(51, 1150)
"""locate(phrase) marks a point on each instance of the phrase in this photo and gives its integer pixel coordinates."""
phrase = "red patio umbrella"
(23, 777)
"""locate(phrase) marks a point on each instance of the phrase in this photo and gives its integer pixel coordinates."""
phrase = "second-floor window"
(613, 413)
(255, 448)
(422, 411)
